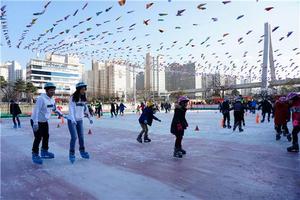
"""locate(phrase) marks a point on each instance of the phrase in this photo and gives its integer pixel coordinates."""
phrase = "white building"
(12, 71)
(154, 75)
(4, 71)
(109, 79)
(64, 71)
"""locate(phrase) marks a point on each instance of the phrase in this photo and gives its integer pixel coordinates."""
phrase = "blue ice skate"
(36, 159)
(46, 154)
(72, 157)
(84, 154)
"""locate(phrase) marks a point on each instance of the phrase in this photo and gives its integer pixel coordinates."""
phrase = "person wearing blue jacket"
(122, 108)
(146, 119)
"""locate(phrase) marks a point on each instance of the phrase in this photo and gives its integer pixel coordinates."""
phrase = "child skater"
(178, 125)
(146, 119)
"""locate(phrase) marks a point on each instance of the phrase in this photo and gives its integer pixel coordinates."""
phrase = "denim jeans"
(76, 130)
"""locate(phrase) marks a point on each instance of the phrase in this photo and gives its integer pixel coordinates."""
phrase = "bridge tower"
(268, 60)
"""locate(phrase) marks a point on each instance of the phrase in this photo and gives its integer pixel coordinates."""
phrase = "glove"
(179, 127)
(91, 121)
(35, 127)
(145, 122)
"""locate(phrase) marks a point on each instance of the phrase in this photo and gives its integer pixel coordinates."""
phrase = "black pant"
(178, 142)
(113, 112)
(295, 132)
(226, 116)
(243, 118)
(14, 120)
(279, 128)
(238, 116)
(264, 115)
(42, 133)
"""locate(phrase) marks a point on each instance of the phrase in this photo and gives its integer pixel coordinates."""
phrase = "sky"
(131, 45)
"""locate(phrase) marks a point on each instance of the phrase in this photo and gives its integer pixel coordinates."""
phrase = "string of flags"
(91, 37)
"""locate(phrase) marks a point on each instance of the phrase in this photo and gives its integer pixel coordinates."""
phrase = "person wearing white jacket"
(41, 113)
(77, 111)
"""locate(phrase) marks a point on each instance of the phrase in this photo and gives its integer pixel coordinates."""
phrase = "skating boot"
(15, 126)
(278, 136)
(183, 152)
(224, 126)
(36, 159)
(146, 139)
(84, 154)
(72, 157)
(46, 154)
(289, 137)
(139, 139)
(19, 126)
(293, 148)
(241, 130)
(177, 153)
(229, 127)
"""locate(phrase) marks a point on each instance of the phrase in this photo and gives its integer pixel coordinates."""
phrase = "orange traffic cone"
(62, 120)
(257, 118)
(197, 128)
(90, 132)
(222, 123)
(58, 126)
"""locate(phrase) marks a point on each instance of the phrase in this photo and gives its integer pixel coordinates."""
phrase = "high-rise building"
(64, 71)
(154, 76)
(181, 77)
(4, 71)
(109, 79)
(12, 71)
(140, 81)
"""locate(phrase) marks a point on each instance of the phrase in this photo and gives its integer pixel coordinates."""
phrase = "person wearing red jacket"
(281, 117)
(294, 100)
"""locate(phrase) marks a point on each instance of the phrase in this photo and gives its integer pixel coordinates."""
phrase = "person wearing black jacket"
(238, 113)
(15, 111)
(113, 109)
(146, 119)
(225, 109)
(178, 125)
(266, 108)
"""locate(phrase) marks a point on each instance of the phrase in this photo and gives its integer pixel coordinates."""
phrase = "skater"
(15, 111)
(117, 108)
(113, 109)
(281, 117)
(41, 113)
(253, 106)
(162, 106)
(142, 106)
(98, 107)
(294, 100)
(146, 119)
(77, 110)
(266, 108)
(122, 108)
(238, 108)
(138, 108)
(225, 109)
(178, 125)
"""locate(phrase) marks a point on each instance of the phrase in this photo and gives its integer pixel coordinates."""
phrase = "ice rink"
(220, 163)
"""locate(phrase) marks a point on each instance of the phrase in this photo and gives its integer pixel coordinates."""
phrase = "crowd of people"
(282, 110)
